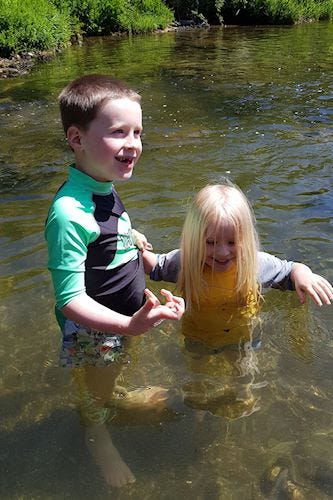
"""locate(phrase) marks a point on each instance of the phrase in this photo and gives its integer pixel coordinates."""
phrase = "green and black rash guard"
(90, 246)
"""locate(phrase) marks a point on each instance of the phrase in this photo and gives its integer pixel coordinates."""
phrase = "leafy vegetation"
(36, 25)
(109, 16)
(49, 24)
(31, 25)
(254, 11)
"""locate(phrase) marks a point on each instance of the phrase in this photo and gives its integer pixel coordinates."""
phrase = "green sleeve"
(69, 230)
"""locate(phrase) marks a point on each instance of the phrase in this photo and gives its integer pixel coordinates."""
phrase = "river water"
(253, 104)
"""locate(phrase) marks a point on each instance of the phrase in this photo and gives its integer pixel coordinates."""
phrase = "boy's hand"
(152, 313)
(141, 241)
(176, 304)
(308, 283)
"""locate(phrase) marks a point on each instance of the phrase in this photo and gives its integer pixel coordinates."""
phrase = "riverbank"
(35, 30)
(19, 65)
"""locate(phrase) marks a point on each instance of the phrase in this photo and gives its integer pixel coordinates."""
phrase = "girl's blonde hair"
(214, 206)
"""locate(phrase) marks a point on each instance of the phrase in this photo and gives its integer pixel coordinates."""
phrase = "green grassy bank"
(46, 25)
(43, 25)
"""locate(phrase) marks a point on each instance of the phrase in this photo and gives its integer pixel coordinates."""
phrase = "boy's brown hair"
(81, 99)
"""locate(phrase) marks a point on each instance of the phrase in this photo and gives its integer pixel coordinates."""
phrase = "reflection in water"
(253, 102)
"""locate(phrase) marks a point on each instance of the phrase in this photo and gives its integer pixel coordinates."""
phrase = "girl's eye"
(138, 133)
(210, 242)
(118, 131)
(231, 242)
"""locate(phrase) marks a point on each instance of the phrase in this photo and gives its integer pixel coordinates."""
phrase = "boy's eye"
(231, 242)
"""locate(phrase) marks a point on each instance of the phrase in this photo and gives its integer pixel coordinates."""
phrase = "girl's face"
(220, 247)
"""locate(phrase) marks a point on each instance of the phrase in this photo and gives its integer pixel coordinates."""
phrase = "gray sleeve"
(274, 272)
(167, 267)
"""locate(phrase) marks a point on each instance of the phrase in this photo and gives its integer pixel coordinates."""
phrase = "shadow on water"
(41, 455)
(51, 457)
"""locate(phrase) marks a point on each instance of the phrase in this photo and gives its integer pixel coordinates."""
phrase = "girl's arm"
(160, 267)
(166, 267)
(308, 283)
(141, 241)
(150, 260)
(287, 275)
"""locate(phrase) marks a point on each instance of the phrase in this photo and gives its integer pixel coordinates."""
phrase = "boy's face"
(111, 146)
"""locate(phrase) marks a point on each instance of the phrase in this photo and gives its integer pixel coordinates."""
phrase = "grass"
(45, 25)
(31, 25)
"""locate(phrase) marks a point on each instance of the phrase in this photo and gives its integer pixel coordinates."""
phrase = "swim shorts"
(84, 346)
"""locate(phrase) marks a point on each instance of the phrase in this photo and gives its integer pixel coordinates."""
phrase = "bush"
(31, 25)
(27, 25)
(145, 15)
(109, 16)
(254, 11)
(276, 11)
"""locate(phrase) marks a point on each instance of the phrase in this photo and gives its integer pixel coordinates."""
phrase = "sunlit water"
(254, 105)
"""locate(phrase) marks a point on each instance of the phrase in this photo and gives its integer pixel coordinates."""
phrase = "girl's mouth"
(226, 261)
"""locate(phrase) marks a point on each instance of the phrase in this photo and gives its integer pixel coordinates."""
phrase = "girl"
(220, 272)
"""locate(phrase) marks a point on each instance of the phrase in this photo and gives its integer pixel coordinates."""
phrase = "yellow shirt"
(219, 320)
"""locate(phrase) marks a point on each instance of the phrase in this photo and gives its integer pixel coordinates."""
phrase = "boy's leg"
(95, 386)
(99, 360)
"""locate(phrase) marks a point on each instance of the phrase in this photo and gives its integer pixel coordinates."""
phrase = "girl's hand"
(308, 283)
(141, 241)
(152, 313)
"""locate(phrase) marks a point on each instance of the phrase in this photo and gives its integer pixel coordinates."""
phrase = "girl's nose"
(222, 250)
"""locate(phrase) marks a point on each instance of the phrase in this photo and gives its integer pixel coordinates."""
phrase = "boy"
(97, 271)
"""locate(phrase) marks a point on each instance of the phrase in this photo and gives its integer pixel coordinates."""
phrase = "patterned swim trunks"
(84, 346)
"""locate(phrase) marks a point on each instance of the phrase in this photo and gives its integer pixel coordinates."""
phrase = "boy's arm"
(308, 283)
(72, 299)
(84, 310)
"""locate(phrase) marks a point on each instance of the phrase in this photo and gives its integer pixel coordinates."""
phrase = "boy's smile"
(109, 149)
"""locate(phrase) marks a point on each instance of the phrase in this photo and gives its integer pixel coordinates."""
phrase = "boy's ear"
(74, 137)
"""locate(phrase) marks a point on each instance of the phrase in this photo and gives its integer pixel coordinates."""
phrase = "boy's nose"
(130, 142)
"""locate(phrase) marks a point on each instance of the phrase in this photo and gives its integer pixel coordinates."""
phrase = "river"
(255, 105)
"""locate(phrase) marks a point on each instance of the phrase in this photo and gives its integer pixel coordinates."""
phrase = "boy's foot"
(112, 467)
(149, 398)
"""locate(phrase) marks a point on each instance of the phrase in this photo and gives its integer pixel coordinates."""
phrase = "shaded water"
(256, 105)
